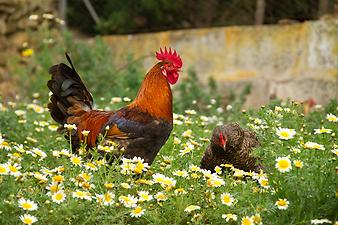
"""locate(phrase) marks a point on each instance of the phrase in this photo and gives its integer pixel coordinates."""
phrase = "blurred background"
(241, 53)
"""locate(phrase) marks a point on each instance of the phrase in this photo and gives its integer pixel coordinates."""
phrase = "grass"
(311, 190)
(30, 144)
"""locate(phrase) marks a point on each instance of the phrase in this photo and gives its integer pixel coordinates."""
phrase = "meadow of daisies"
(43, 182)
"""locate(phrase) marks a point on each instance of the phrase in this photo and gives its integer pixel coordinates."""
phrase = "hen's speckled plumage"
(237, 149)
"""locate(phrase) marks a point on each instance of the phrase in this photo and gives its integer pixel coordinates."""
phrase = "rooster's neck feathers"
(154, 96)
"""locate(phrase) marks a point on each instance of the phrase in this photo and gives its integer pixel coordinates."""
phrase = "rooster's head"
(172, 63)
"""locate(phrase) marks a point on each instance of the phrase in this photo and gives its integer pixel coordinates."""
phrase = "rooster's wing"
(139, 133)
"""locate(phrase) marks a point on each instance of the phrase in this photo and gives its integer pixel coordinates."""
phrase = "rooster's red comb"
(171, 56)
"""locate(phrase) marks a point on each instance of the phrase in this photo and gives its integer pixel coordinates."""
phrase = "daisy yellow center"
(194, 175)
(107, 198)
(194, 168)
(26, 205)
(282, 202)
(2, 169)
(91, 165)
(246, 221)
(332, 118)
(138, 210)
(284, 134)
(86, 185)
(12, 169)
(54, 188)
(161, 196)
(86, 176)
(257, 219)
(16, 155)
(59, 196)
(159, 180)
(58, 178)
(109, 186)
(27, 220)
(180, 190)
(217, 182)
(283, 164)
(298, 164)
(138, 169)
(168, 182)
(38, 153)
(53, 127)
(264, 183)
(5, 144)
(80, 194)
(76, 160)
(145, 196)
(226, 199)
(126, 200)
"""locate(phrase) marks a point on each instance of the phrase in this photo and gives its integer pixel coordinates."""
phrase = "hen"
(141, 128)
(230, 144)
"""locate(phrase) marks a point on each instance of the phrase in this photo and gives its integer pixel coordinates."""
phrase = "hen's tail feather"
(70, 97)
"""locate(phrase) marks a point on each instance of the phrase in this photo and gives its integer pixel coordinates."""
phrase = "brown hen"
(230, 144)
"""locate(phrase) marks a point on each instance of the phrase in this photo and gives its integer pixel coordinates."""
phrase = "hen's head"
(229, 135)
(172, 63)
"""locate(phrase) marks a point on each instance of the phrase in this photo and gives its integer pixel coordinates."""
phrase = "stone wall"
(14, 23)
(296, 61)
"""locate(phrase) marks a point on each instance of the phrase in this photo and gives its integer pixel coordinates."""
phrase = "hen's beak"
(222, 140)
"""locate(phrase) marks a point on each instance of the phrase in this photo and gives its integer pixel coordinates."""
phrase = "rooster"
(230, 144)
(141, 128)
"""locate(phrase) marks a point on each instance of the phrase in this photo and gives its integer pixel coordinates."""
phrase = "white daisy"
(282, 204)
(27, 204)
(59, 197)
(82, 195)
(4, 169)
(28, 219)
(314, 145)
(285, 133)
(322, 130)
(229, 217)
(320, 221)
(227, 199)
(70, 127)
(137, 212)
(160, 196)
(144, 196)
(332, 118)
(128, 201)
(191, 208)
(283, 164)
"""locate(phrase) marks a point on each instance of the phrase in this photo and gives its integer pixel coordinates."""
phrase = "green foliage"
(129, 16)
(92, 61)
(95, 65)
(192, 94)
(310, 190)
(237, 101)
